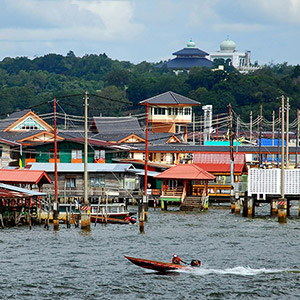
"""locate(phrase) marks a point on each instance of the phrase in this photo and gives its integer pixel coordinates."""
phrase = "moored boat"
(111, 213)
(162, 266)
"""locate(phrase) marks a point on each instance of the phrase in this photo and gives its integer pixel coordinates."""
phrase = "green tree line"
(28, 83)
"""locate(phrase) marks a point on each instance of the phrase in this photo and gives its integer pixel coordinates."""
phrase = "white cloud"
(282, 11)
(74, 20)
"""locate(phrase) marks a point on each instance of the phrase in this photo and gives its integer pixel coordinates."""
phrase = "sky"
(150, 30)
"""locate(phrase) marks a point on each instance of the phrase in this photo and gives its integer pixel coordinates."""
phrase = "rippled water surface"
(241, 259)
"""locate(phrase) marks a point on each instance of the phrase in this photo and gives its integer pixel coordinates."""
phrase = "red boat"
(162, 266)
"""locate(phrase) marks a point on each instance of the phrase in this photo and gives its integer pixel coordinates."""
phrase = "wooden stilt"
(1, 220)
(141, 217)
(274, 207)
(250, 207)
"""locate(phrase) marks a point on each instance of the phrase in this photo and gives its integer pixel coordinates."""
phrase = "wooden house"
(169, 112)
(106, 180)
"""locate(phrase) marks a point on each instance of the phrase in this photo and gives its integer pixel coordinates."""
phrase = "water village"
(54, 171)
(51, 174)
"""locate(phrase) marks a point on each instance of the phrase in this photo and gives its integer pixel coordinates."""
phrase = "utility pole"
(193, 128)
(217, 128)
(55, 204)
(273, 132)
(231, 161)
(282, 207)
(278, 135)
(85, 214)
(260, 129)
(237, 134)
(250, 138)
(297, 138)
(287, 132)
(145, 196)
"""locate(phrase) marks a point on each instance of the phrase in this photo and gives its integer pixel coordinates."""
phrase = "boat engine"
(195, 263)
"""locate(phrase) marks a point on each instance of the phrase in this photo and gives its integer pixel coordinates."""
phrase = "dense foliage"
(29, 83)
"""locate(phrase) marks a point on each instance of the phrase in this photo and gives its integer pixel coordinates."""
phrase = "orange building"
(169, 112)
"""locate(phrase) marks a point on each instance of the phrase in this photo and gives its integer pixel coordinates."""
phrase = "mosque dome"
(191, 44)
(228, 45)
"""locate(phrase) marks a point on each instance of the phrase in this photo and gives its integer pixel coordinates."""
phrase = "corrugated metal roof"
(79, 167)
(186, 171)
(142, 172)
(24, 176)
(17, 191)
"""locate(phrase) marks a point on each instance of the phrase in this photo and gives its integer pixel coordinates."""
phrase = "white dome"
(228, 45)
(191, 44)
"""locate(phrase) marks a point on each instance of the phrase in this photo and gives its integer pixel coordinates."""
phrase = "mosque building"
(228, 52)
(187, 58)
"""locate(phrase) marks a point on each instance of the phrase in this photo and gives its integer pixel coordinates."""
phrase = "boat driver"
(176, 259)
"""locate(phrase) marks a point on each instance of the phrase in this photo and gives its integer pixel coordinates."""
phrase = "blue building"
(187, 58)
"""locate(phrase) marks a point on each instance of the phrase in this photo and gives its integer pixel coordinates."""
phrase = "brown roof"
(186, 171)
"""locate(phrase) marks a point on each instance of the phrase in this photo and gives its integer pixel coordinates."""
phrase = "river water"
(241, 259)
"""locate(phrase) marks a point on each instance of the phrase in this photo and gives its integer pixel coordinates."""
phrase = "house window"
(76, 154)
(71, 182)
(169, 111)
(187, 111)
(99, 156)
(1, 150)
(92, 181)
(159, 111)
(97, 184)
(103, 181)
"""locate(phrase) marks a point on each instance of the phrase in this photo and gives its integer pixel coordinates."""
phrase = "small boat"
(111, 213)
(163, 266)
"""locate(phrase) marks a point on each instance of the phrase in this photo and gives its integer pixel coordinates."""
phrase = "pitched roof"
(190, 52)
(169, 98)
(79, 167)
(24, 176)
(12, 118)
(11, 191)
(220, 162)
(186, 171)
(113, 125)
(188, 63)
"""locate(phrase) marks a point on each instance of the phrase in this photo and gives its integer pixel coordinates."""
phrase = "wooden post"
(237, 207)
(299, 208)
(274, 207)
(141, 216)
(250, 207)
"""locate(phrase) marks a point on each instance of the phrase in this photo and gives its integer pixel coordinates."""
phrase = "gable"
(173, 139)
(41, 137)
(29, 121)
(132, 139)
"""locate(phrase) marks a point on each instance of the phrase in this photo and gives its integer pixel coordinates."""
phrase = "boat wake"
(239, 271)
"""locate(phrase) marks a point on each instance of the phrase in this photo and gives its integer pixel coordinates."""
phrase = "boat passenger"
(176, 260)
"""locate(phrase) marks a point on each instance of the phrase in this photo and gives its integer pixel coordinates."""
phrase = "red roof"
(24, 176)
(186, 171)
(216, 162)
